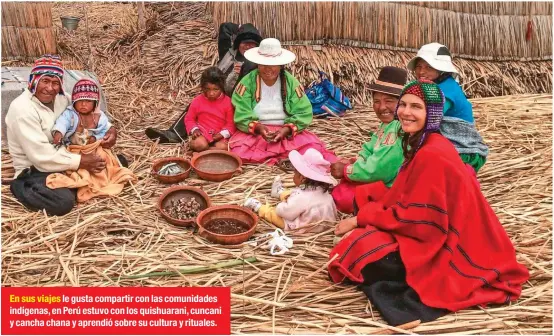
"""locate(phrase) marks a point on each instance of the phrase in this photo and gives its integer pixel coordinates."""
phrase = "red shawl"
(456, 252)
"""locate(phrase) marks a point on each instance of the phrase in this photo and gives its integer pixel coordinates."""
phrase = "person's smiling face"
(47, 89)
(384, 106)
(411, 113)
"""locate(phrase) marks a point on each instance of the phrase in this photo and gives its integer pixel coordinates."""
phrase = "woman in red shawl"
(431, 243)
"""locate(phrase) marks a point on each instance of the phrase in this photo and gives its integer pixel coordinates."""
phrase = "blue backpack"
(327, 99)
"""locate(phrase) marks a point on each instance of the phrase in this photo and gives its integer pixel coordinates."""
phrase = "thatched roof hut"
(27, 30)
(481, 31)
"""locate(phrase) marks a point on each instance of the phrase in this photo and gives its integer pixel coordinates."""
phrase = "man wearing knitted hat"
(381, 157)
(29, 122)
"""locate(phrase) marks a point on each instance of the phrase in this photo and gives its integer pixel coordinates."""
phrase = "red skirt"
(253, 148)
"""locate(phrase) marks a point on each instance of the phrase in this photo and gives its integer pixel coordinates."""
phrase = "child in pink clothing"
(209, 119)
(309, 203)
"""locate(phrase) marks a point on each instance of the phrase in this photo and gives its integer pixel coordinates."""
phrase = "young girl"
(209, 119)
(82, 122)
(433, 62)
(309, 203)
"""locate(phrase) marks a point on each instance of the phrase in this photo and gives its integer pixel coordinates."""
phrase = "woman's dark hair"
(283, 88)
(311, 184)
(213, 75)
(409, 144)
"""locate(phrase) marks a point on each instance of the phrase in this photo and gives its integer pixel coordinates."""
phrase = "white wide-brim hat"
(312, 165)
(270, 53)
(437, 55)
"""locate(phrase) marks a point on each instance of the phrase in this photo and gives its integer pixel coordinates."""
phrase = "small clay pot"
(241, 214)
(178, 192)
(158, 164)
(216, 165)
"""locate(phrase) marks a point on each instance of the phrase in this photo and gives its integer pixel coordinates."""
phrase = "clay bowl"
(158, 164)
(178, 192)
(244, 215)
(216, 165)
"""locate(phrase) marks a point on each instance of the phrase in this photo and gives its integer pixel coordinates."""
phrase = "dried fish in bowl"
(171, 169)
(184, 208)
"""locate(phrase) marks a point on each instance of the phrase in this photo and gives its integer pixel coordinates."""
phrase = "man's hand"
(57, 138)
(92, 162)
(218, 137)
(283, 133)
(337, 169)
(109, 139)
(264, 132)
(346, 225)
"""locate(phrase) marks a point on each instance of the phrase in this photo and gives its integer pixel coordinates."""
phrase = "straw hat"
(270, 53)
(437, 55)
(312, 165)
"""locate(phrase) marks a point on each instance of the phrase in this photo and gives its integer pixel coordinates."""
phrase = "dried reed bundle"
(491, 8)
(24, 43)
(27, 14)
(392, 24)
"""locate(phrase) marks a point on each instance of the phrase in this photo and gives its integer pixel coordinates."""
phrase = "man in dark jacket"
(232, 42)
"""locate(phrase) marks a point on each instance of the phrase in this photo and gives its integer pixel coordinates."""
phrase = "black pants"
(385, 286)
(30, 189)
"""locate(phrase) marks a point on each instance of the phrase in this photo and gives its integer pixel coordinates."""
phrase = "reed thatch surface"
(522, 8)
(103, 241)
(176, 54)
(399, 25)
(27, 30)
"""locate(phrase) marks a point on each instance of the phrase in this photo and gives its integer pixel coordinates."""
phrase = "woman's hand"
(337, 169)
(283, 133)
(346, 225)
(262, 130)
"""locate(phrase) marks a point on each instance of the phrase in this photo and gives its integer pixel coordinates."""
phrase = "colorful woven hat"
(85, 89)
(49, 65)
(433, 98)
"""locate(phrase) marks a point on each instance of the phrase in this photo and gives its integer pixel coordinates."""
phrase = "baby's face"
(84, 106)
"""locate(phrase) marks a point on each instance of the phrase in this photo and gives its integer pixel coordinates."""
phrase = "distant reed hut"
(27, 30)
(476, 30)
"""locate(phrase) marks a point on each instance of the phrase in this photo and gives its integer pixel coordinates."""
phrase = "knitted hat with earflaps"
(85, 89)
(433, 98)
(46, 65)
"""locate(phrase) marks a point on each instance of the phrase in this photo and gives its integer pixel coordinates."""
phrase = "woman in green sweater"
(271, 110)
(381, 157)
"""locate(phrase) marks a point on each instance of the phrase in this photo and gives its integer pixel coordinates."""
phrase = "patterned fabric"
(49, 65)
(85, 89)
(433, 98)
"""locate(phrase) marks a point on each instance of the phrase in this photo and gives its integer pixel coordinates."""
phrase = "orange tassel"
(529, 31)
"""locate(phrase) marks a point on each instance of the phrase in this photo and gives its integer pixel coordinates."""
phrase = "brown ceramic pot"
(177, 192)
(216, 165)
(241, 214)
(158, 164)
